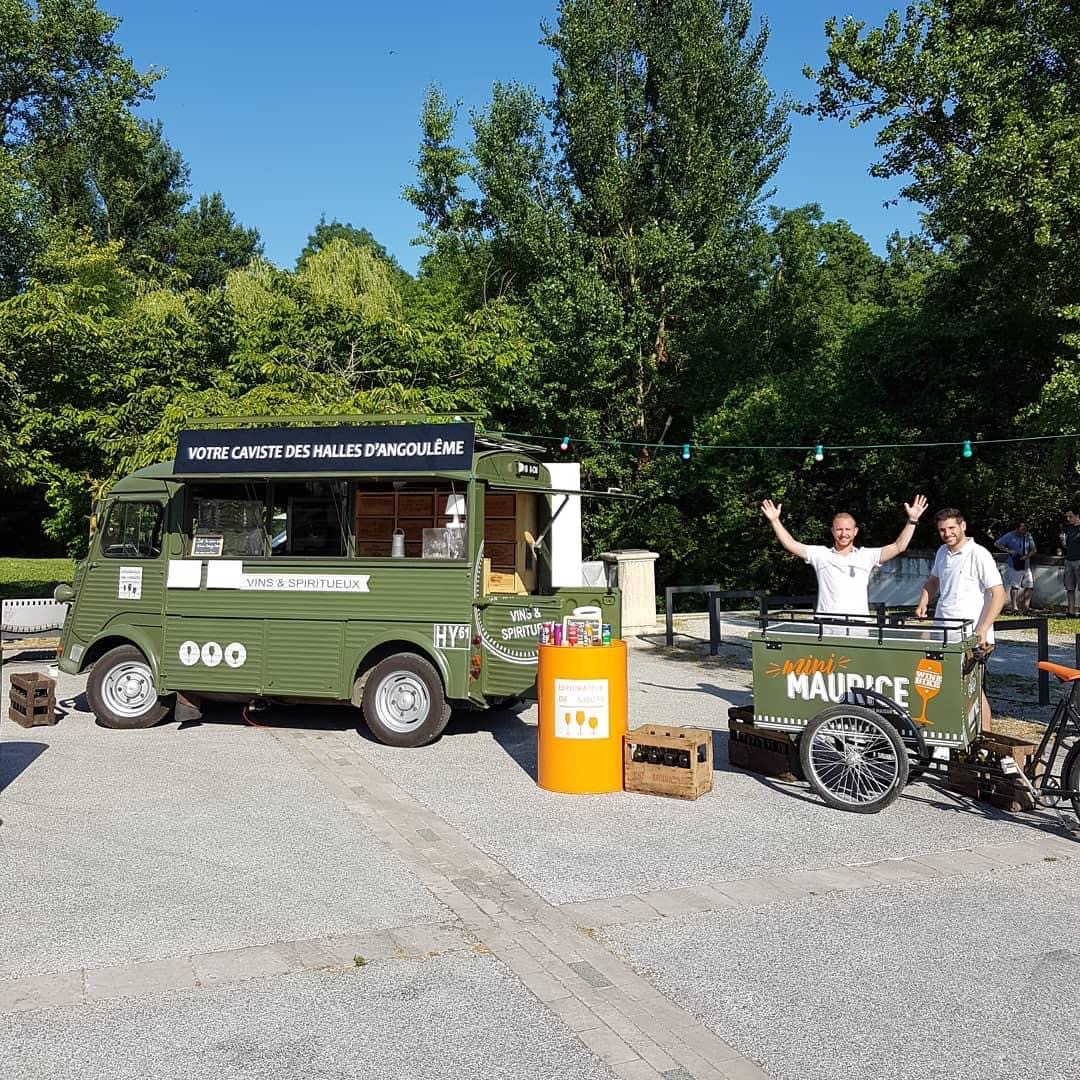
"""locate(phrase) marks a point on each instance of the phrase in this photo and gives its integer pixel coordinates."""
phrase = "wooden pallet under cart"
(761, 750)
(1006, 793)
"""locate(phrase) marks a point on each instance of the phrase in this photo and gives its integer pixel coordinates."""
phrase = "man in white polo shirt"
(843, 571)
(966, 581)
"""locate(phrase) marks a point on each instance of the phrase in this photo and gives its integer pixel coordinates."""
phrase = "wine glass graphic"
(567, 721)
(593, 722)
(928, 682)
(580, 720)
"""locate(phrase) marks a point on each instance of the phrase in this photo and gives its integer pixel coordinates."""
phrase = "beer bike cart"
(869, 702)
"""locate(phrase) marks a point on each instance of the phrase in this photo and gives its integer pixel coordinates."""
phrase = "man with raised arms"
(843, 571)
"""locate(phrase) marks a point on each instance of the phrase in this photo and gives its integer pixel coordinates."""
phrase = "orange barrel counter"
(581, 693)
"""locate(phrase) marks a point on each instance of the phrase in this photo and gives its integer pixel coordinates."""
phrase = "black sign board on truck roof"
(265, 451)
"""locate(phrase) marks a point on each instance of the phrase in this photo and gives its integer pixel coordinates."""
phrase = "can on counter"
(556, 634)
(586, 634)
(545, 633)
(572, 634)
(605, 634)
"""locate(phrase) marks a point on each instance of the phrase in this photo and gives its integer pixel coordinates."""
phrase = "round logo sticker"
(211, 654)
(235, 654)
(189, 653)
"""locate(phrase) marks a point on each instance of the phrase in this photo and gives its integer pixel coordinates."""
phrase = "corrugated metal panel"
(303, 657)
(99, 600)
(213, 654)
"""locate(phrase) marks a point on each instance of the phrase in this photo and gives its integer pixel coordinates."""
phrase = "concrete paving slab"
(457, 1015)
(138, 980)
(973, 977)
(42, 992)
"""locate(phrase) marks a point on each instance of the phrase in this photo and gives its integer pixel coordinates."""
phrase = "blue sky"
(294, 111)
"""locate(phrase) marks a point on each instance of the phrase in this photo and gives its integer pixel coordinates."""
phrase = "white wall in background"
(565, 536)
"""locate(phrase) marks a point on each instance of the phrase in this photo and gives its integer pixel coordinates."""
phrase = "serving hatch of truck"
(402, 567)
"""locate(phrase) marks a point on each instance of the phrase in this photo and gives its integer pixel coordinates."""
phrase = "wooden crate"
(761, 750)
(1006, 793)
(681, 764)
(33, 699)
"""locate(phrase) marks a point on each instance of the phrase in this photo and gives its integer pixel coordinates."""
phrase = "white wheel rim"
(402, 701)
(128, 689)
(854, 760)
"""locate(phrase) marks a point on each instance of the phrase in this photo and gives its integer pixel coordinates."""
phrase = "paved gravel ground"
(451, 1016)
(130, 846)
(971, 978)
(193, 839)
(573, 848)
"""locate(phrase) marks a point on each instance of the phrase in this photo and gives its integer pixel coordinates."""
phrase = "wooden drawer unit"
(375, 528)
(379, 505)
(500, 530)
(380, 513)
(499, 505)
(501, 555)
(416, 505)
(373, 549)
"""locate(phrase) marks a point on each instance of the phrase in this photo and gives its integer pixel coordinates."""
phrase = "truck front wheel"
(121, 690)
(404, 703)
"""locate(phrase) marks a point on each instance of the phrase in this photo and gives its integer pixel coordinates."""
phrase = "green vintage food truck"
(402, 567)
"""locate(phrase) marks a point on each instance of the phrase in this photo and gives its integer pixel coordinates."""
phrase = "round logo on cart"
(211, 654)
(235, 654)
(189, 653)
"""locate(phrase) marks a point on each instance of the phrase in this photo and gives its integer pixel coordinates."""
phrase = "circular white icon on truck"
(235, 654)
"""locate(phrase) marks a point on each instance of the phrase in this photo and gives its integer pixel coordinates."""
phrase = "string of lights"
(686, 451)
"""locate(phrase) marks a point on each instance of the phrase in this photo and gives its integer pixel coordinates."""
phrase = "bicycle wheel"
(854, 759)
(1070, 777)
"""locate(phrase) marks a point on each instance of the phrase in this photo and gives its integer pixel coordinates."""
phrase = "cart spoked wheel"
(854, 759)
(1071, 776)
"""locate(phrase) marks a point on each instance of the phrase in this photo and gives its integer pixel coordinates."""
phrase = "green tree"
(67, 135)
(327, 231)
(203, 243)
(979, 107)
(627, 234)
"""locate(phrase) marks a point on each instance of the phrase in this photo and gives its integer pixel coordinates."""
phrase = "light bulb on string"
(686, 451)
(819, 452)
(967, 451)
(565, 444)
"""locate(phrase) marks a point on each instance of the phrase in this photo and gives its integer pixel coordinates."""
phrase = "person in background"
(1019, 545)
(967, 583)
(843, 570)
(1070, 548)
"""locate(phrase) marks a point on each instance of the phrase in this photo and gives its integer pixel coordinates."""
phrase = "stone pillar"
(635, 576)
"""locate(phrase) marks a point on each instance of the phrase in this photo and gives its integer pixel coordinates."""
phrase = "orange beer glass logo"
(928, 681)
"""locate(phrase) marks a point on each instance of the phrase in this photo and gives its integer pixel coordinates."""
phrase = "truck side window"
(229, 520)
(310, 518)
(133, 531)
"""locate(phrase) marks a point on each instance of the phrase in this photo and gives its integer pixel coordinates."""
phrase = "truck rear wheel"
(404, 703)
(121, 690)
